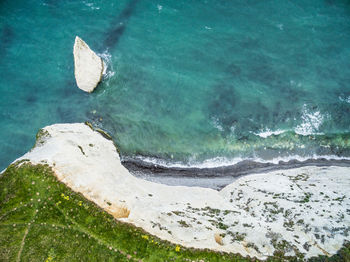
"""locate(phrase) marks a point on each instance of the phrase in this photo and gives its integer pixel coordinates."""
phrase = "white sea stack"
(302, 210)
(88, 67)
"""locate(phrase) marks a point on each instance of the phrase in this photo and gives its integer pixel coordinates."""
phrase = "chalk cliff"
(302, 211)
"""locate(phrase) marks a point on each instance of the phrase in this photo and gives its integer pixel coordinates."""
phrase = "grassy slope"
(43, 220)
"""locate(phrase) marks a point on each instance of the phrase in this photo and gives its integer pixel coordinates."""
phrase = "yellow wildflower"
(80, 203)
(64, 196)
(177, 248)
(145, 237)
(49, 259)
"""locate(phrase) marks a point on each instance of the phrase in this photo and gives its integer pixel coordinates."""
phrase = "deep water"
(188, 82)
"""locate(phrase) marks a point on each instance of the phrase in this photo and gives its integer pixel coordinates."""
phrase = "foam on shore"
(225, 162)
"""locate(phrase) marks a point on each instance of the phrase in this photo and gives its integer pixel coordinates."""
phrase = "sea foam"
(108, 70)
(267, 132)
(311, 122)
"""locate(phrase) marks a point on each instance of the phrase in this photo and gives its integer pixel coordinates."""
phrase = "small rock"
(218, 239)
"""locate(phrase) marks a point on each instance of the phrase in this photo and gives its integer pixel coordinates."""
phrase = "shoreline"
(217, 177)
(255, 216)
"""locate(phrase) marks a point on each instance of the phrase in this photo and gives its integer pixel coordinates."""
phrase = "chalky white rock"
(88, 67)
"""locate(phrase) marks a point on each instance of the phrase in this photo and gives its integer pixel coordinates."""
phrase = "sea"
(195, 83)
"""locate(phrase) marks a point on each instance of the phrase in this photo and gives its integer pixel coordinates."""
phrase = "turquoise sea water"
(188, 82)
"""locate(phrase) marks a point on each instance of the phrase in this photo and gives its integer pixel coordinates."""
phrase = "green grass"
(41, 219)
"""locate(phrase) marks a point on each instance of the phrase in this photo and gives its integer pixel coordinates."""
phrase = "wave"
(91, 5)
(311, 121)
(344, 99)
(267, 132)
(267, 146)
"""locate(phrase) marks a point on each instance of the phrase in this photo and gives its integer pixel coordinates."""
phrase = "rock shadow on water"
(119, 25)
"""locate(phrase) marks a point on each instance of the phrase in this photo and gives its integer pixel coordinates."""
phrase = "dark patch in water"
(222, 106)
(327, 72)
(233, 70)
(260, 70)
(7, 36)
(114, 35)
(249, 43)
(31, 98)
(70, 82)
(292, 94)
(340, 113)
(70, 90)
(119, 25)
(66, 115)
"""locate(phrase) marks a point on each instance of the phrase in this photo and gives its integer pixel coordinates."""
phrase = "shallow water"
(188, 82)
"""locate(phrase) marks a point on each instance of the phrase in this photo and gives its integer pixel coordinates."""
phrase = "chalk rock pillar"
(88, 67)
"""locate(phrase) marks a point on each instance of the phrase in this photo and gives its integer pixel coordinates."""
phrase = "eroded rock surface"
(88, 67)
(302, 211)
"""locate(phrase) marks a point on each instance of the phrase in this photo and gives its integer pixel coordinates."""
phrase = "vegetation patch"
(41, 136)
(81, 150)
(41, 219)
